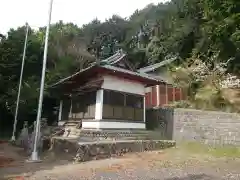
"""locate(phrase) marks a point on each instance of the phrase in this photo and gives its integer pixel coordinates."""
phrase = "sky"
(14, 13)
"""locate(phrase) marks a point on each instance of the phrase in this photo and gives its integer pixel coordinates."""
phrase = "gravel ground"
(142, 169)
(171, 164)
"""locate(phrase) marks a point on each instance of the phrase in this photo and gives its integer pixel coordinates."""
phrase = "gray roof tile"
(157, 65)
(108, 64)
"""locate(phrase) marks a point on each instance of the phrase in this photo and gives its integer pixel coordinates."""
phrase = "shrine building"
(106, 95)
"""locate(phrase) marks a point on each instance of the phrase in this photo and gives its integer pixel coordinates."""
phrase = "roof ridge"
(157, 65)
(119, 54)
(113, 56)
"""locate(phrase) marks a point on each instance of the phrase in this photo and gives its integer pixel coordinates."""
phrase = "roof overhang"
(132, 76)
(96, 70)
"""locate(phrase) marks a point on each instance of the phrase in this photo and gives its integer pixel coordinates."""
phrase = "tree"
(205, 30)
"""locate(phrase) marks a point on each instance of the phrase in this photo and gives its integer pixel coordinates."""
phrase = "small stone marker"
(23, 137)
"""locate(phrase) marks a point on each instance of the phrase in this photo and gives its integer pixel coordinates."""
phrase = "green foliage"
(192, 29)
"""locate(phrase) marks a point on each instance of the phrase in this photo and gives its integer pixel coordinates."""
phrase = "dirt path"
(171, 164)
(10, 156)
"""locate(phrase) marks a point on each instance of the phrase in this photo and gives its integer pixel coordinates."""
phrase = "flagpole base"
(13, 139)
(34, 157)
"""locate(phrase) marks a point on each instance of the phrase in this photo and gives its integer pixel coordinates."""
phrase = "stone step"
(111, 134)
(75, 131)
(72, 131)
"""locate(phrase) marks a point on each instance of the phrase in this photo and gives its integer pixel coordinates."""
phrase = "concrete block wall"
(205, 126)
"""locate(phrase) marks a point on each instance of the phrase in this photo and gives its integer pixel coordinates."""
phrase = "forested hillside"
(202, 31)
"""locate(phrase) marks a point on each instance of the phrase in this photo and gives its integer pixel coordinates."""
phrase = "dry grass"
(215, 151)
(233, 96)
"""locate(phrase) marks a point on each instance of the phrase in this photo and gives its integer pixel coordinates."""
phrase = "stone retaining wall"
(205, 126)
(71, 150)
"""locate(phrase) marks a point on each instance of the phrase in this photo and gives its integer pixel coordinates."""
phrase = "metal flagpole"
(34, 156)
(20, 85)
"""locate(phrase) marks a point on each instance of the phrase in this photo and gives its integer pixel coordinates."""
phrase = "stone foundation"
(70, 149)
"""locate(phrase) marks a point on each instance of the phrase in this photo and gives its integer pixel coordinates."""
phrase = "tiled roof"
(157, 65)
(108, 64)
(73, 75)
(113, 68)
(143, 75)
(114, 58)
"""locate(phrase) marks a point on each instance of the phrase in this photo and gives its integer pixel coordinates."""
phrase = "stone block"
(87, 151)
(205, 124)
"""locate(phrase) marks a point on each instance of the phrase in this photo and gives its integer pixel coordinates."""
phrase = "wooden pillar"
(151, 102)
(158, 97)
(60, 110)
(173, 94)
(166, 94)
(70, 112)
(148, 97)
(180, 94)
(144, 109)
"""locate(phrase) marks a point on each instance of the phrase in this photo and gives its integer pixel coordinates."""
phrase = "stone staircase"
(72, 131)
(120, 135)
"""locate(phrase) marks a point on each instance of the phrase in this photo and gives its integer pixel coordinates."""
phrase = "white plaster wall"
(108, 125)
(112, 125)
(121, 125)
(90, 124)
(148, 89)
(118, 84)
